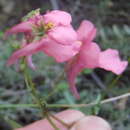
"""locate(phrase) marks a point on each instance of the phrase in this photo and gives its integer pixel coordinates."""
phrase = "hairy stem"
(33, 90)
(41, 103)
(3, 106)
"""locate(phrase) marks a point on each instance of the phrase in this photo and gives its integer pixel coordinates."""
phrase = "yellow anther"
(41, 28)
(48, 26)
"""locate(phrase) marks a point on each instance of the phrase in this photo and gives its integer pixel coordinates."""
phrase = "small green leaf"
(96, 108)
(117, 32)
(62, 86)
(103, 35)
(127, 29)
(1, 34)
(13, 123)
(69, 97)
(88, 71)
(31, 14)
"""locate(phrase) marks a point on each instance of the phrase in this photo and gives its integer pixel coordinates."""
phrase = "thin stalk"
(51, 122)
(34, 93)
(3, 106)
(41, 103)
(114, 82)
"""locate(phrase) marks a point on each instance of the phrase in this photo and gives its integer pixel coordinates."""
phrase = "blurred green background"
(112, 18)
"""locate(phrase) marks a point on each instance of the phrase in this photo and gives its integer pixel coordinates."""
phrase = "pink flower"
(91, 56)
(55, 35)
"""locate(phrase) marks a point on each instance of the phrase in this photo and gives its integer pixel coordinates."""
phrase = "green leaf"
(103, 35)
(31, 14)
(96, 108)
(13, 123)
(127, 29)
(117, 32)
(1, 34)
(88, 71)
(69, 97)
(62, 85)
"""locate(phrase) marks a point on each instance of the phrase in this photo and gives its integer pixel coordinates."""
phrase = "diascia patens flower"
(50, 33)
(90, 56)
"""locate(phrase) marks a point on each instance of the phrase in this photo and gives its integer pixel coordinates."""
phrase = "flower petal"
(89, 55)
(110, 60)
(63, 35)
(59, 52)
(73, 68)
(87, 58)
(86, 31)
(27, 50)
(30, 63)
(22, 27)
(57, 17)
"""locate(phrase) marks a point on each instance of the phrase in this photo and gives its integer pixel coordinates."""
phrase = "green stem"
(3, 106)
(41, 103)
(114, 82)
(51, 122)
(62, 122)
(34, 93)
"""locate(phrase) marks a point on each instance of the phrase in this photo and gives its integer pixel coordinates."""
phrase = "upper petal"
(22, 27)
(59, 52)
(86, 31)
(63, 35)
(110, 60)
(57, 17)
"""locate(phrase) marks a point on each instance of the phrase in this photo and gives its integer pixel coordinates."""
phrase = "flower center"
(48, 26)
(41, 28)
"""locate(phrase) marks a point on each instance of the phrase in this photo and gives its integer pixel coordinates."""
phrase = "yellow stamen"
(48, 26)
(42, 28)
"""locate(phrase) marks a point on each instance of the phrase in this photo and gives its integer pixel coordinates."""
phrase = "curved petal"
(60, 53)
(22, 27)
(57, 17)
(110, 60)
(63, 35)
(73, 68)
(87, 58)
(27, 50)
(30, 63)
(86, 31)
